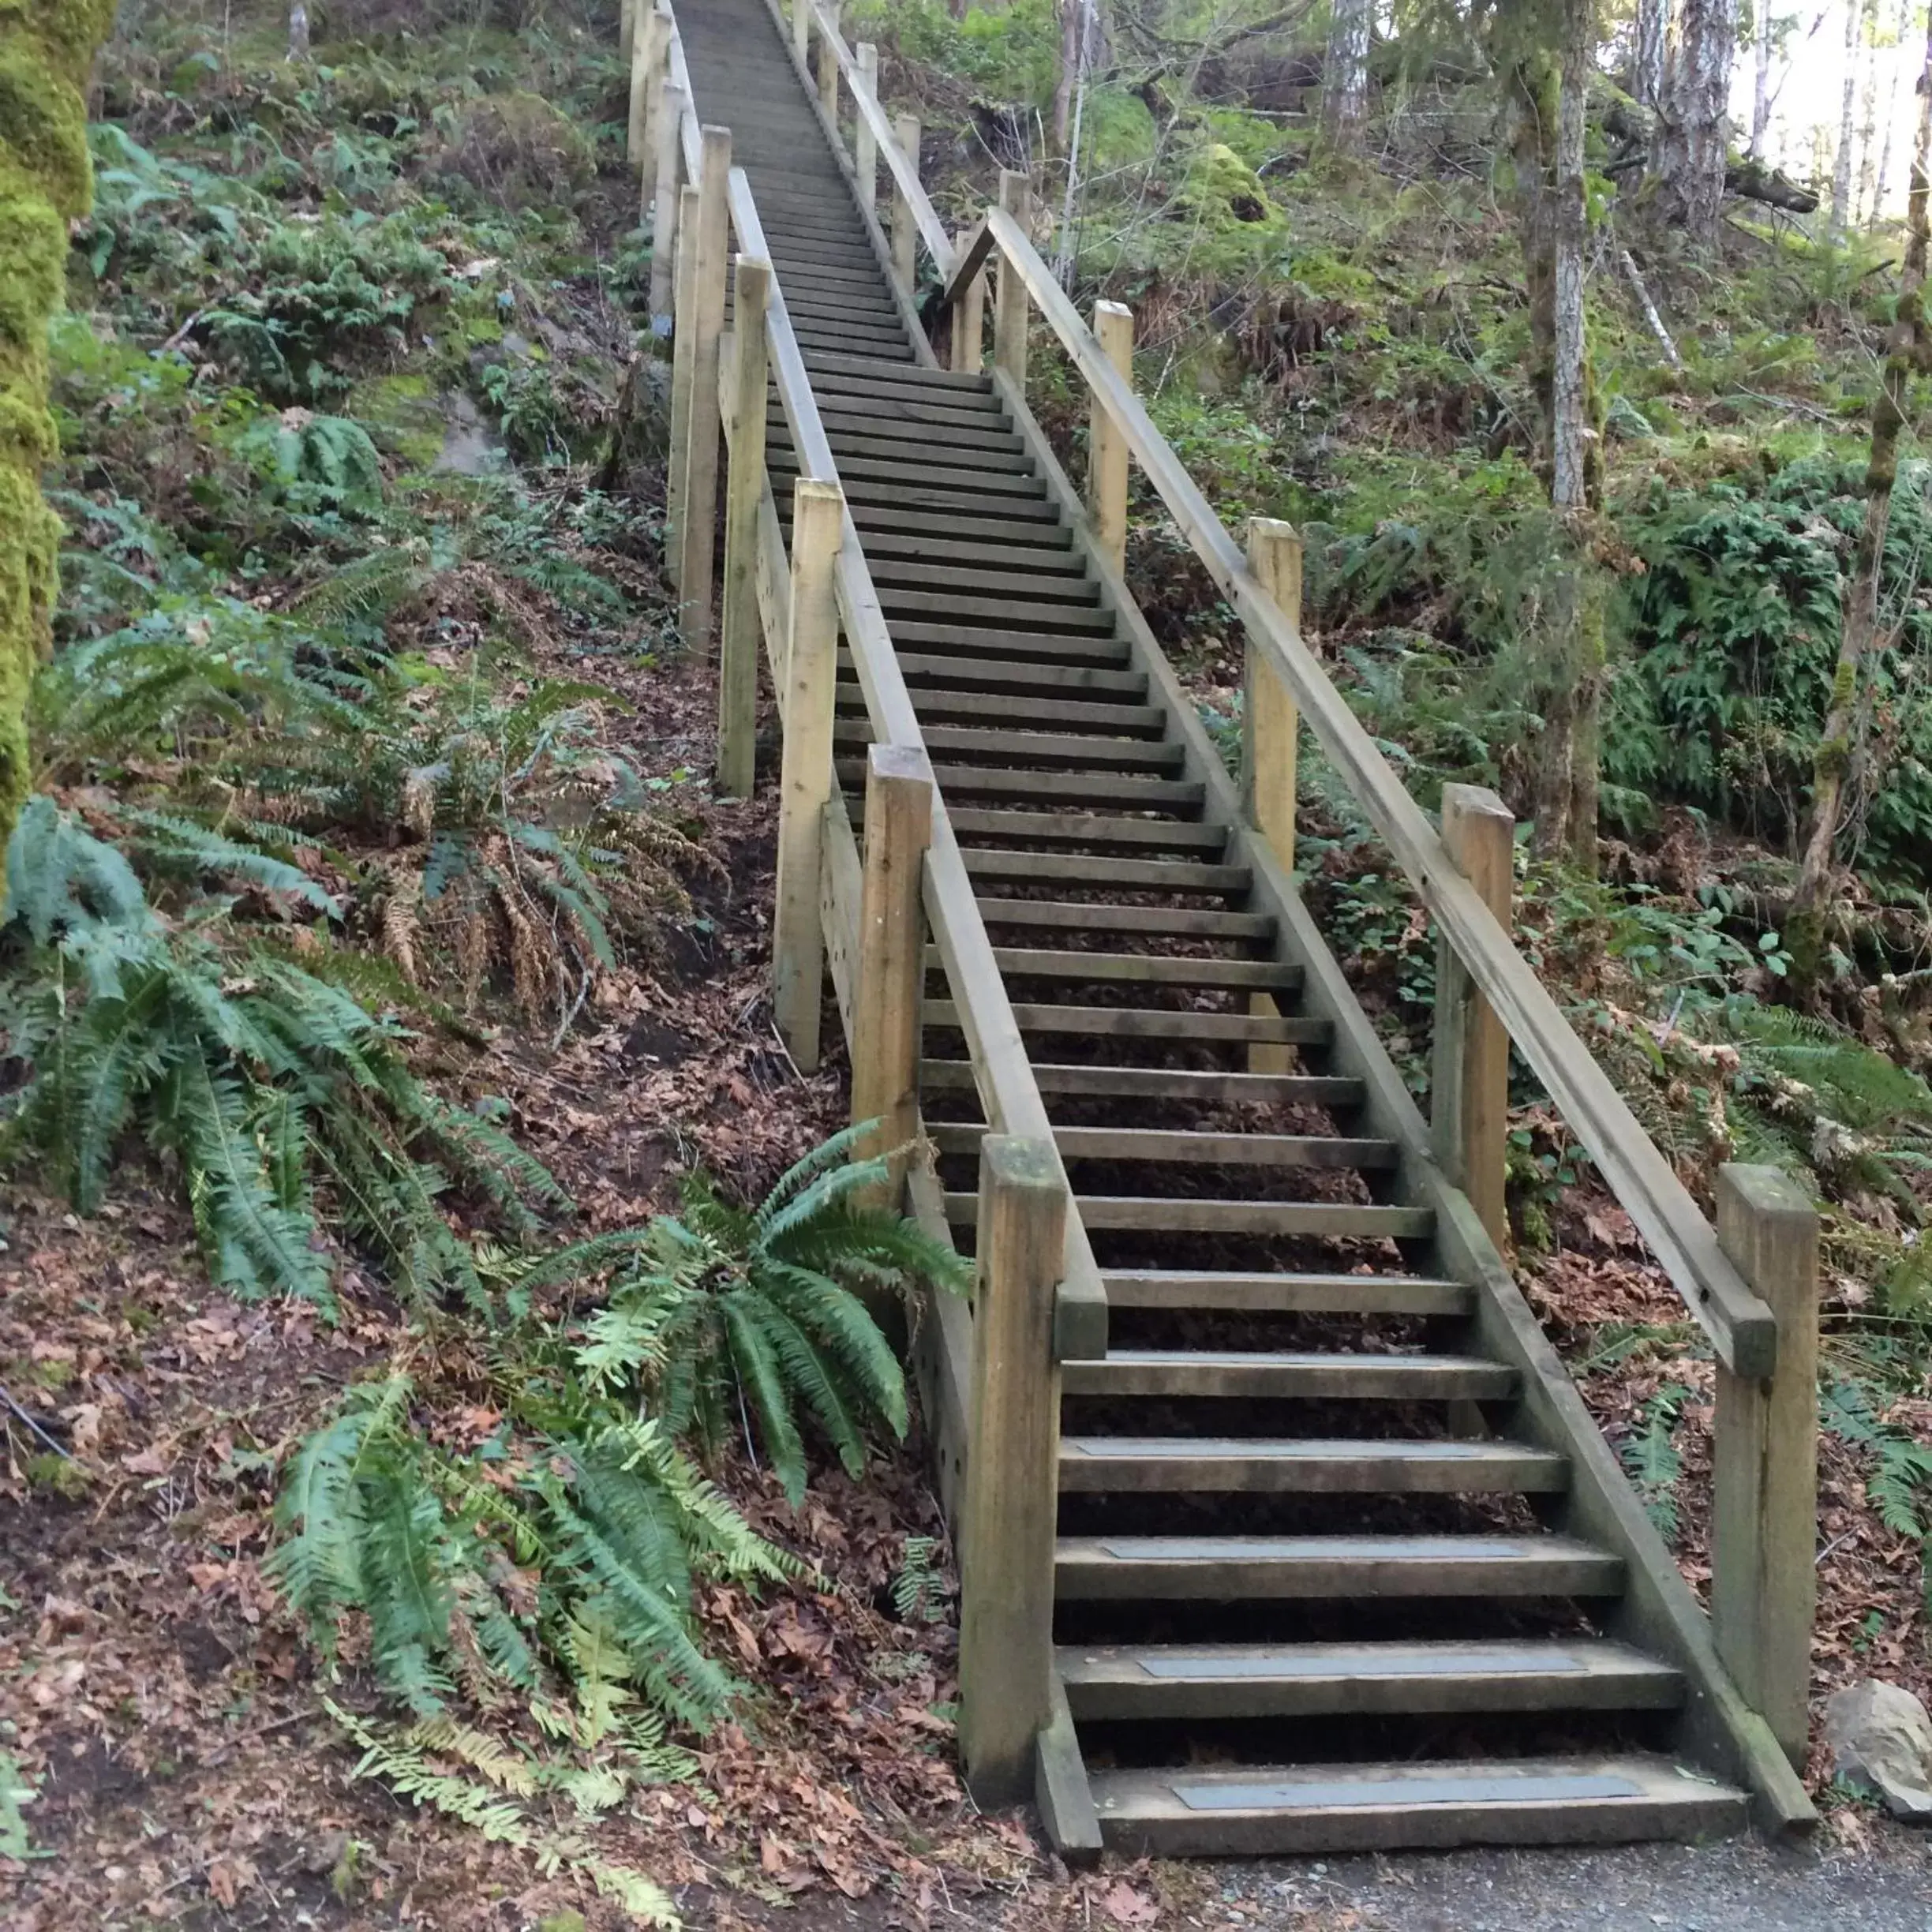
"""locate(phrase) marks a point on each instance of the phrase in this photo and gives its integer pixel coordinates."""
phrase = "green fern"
(1652, 1461)
(252, 1073)
(1900, 1486)
(765, 1304)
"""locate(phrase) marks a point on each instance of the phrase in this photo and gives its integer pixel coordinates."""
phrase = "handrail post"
(627, 28)
(904, 229)
(865, 142)
(637, 51)
(738, 650)
(801, 27)
(805, 776)
(1010, 299)
(1763, 1513)
(968, 317)
(652, 55)
(1107, 447)
(1007, 1522)
(672, 103)
(828, 60)
(1271, 731)
(698, 504)
(683, 347)
(1468, 1091)
(892, 954)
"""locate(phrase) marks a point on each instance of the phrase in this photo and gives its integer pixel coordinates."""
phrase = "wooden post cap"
(1015, 1161)
(900, 762)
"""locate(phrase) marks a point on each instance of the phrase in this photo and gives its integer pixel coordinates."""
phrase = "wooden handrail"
(1008, 1092)
(932, 230)
(1741, 1326)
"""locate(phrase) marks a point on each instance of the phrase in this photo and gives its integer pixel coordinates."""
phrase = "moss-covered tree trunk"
(1694, 125)
(1909, 349)
(47, 48)
(1345, 75)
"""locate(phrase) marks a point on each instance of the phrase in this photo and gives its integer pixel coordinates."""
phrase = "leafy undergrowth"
(1347, 347)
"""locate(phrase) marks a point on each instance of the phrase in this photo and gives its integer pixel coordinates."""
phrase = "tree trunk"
(1653, 38)
(1841, 164)
(1891, 116)
(299, 31)
(1568, 429)
(1867, 205)
(1551, 101)
(1839, 753)
(1694, 129)
(1760, 87)
(45, 183)
(1073, 40)
(1345, 75)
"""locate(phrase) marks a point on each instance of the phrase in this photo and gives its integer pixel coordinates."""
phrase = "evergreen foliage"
(255, 1076)
(766, 1305)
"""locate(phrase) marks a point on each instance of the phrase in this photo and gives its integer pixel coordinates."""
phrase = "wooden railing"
(857, 909)
(863, 913)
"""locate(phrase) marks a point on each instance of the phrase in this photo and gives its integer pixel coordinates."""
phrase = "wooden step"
(1165, 1083)
(1038, 684)
(1163, 1213)
(1041, 750)
(1042, 649)
(1362, 1807)
(917, 547)
(1036, 712)
(1142, 969)
(832, 376)
(1211, 1681)
(1078, 828)
(1302, 1375)
(1175, 795)
(1083, 915)
(1237, 1569)
(1326, 1220)
(1142, 1023)
(1147, 874)
(1210, 1148)
(991, 613)
(1020, 588)
(1287, 1294)
(925, 379)
(1091, 1465)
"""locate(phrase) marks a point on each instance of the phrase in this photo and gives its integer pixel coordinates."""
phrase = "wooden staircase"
(1329, 1576)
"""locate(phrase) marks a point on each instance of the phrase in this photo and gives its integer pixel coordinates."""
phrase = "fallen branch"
(1651, 310)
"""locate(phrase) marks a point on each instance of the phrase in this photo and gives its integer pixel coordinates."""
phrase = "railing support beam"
(805, 780)
(697, 535)
(1764, 1514)
(684, 349)
(801, 27)
(672, 103)
(1270, 726)
(968, 320)
(1468, 1090)
(865, 142)
(904, 230)
(1107, 447)
(892, 954)
(828, 61)
(738, 650)
(1007, 1523)
(1010, 299)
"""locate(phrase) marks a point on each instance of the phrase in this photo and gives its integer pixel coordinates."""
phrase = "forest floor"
(164, 1710)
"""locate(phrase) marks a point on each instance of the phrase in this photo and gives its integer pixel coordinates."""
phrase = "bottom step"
(1256, 1813)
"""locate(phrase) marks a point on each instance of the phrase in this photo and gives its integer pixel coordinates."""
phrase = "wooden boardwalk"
(1293, 1535)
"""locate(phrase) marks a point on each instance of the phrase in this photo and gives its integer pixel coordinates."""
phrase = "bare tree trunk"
(1891, 117)
(1344, 74)
(1693, 128)
(1566, 781)
(299, 31)
(1653, 37)
(1841, 165)
(1073, 39)
(1909, 350)
(1761, 88)
(1868, 128)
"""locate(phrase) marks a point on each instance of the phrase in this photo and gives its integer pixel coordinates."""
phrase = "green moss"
(404, 416)
(46, 49)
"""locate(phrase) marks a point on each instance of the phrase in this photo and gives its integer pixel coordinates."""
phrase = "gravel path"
(1745, 1886)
